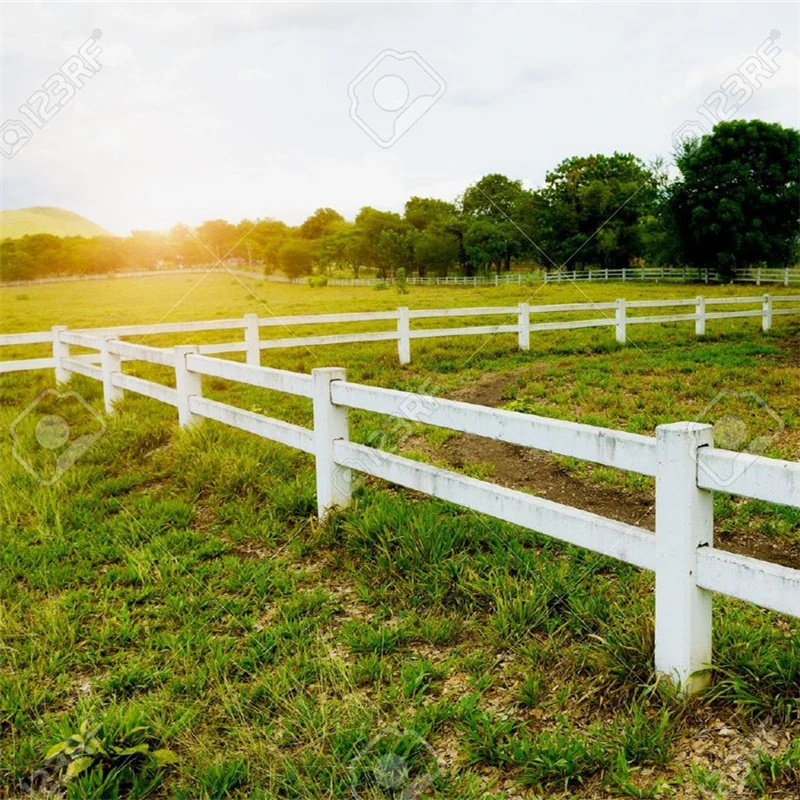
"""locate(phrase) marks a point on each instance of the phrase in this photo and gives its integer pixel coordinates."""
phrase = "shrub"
(401, 281)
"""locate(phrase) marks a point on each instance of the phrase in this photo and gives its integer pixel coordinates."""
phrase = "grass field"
(174, 586)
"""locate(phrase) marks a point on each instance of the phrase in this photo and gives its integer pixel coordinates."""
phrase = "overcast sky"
(200, 111)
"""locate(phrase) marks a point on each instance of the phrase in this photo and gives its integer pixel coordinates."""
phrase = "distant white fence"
(788, 276)
(759, 275)
(150, 273)
(681, 458)
(616, 314)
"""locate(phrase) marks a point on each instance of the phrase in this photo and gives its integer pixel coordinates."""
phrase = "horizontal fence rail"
(572, 525)
(686, 466)
(618, 314)
(611, 448)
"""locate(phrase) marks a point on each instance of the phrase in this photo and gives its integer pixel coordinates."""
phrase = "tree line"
(733, 204)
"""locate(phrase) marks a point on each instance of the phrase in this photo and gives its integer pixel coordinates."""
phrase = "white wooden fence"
(788, 276)
(616, 314)
(681, 457)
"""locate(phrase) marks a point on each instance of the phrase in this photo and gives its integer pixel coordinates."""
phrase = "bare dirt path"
(542, 474)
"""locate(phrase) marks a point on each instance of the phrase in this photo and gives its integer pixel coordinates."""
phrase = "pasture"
(175, 585)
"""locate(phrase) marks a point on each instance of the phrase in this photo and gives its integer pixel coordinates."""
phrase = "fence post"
(700, 319)
(624, 273)
(403, 336)
(524, 320)
(60, 352)
(621, 320)
(758, 276)
(766, 313)
(330, 424)
(188, 384)
(109, 363)
(251, 339)
(786, 276)
(684, 523)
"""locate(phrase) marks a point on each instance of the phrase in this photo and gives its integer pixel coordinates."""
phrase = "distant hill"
(42, 219)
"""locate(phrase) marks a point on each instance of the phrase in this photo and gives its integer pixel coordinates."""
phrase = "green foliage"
(107, 756)
(594, 208)
(297, 257)
(400, 281)
(736, 204)
(317, 281)
(320, 223)
(770, 774)
(488, 244)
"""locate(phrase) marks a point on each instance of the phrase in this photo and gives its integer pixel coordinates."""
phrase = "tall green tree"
(424, 213)
(371, 225)
(436, 250)
(592, 209)
(319, 223)
(219, 236)
(736, 204)
(438, 234)
(297, 257)
(497, 201)
(486, 244)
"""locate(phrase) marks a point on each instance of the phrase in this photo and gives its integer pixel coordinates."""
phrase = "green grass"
(178, 582)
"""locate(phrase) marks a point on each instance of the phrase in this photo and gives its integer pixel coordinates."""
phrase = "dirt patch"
(490, 390)
(542, 474)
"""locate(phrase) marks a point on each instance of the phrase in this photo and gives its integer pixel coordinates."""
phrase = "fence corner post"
(188, 384)
(621, 320)
(766, 313)
(60, 352)
(403, 336)
(700, 316)
(684, 523)
(110, 363)
(524, 322)
(334, 487)
(251, 339)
